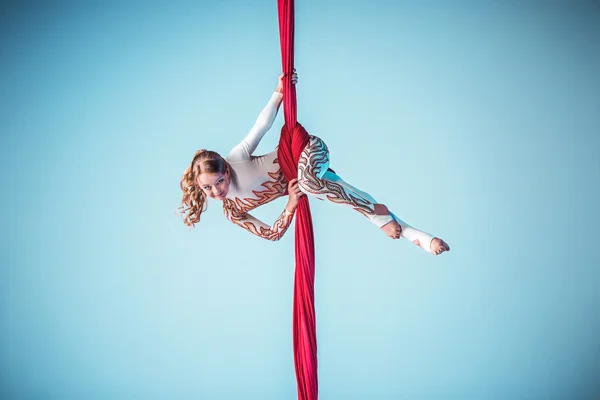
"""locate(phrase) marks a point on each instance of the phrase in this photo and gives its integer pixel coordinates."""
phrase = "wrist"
(291, 208)
(288, 212)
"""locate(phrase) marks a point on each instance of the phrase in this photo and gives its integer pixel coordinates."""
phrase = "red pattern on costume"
(236, 209)
(275, 188)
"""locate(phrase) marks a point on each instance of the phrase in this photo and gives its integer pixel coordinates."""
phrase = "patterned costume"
(260, 180)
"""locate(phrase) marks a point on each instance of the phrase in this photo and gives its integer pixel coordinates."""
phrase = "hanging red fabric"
(292, 141)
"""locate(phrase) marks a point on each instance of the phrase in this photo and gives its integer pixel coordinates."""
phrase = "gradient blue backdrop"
(478, 121)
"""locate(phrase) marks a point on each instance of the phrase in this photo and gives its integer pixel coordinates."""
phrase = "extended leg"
(315, 179)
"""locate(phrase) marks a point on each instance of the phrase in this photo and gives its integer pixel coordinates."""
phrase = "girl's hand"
(279, 87)
(295, 193)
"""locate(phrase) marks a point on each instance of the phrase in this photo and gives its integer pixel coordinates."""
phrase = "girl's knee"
(306, 180)
(304, 186)
(316, 155)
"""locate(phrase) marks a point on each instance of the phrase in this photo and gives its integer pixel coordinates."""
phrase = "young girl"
(243, 182)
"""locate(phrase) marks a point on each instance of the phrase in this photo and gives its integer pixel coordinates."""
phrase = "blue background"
(477, 121)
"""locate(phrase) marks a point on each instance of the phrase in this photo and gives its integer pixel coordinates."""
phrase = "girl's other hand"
(279, 87)
(294, 194)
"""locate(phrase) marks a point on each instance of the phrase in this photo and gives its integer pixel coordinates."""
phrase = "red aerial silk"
(292, 141)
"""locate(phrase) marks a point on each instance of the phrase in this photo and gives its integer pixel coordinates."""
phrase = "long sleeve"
(263, 123)
(257, 227)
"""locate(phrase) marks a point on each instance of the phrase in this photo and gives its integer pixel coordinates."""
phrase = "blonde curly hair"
(194, 199)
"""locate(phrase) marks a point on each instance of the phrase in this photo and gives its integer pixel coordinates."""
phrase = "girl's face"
(214, 186)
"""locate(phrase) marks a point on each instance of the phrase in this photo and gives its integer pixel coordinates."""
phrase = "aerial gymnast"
(243, 181)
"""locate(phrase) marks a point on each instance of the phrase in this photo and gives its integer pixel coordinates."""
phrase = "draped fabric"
(292, 141)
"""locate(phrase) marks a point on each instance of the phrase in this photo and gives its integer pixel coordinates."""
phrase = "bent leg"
(315, 179)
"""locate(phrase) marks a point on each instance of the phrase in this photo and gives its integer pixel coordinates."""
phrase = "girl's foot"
(392, 228)
(437, 247)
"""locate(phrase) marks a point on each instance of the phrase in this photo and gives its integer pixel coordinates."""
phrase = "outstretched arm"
(263, 123)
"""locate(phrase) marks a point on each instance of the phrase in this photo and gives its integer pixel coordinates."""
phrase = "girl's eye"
(220, 180)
